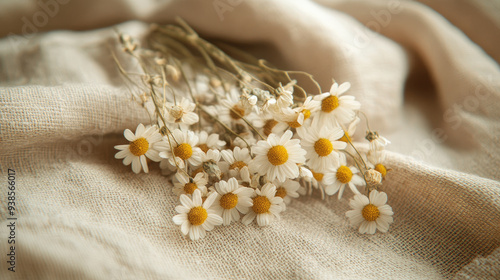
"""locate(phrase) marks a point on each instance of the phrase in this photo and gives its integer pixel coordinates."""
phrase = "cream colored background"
(83, 215)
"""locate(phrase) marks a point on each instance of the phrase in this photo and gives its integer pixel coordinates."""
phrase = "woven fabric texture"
(428, 78)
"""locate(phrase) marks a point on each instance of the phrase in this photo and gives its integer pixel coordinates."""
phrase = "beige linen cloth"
(428, 79)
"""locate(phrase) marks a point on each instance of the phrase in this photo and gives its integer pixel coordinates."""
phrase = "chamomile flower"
(377, 142)
(371, 213)
(290, 117)
(249, 100)
(181, 112)
(210, 163)
(335, 109)
(268, 124)
(287, 190)
(186, 185)
(277, 157)
(344, 175)
(351, 129)
(322, 146)
(295, 117)
(376, 160)
(263, 98)
(266, 206)
(142, 145)
(232, 109)
(206, 142)
(184, 147)
(194, 216)
(232, 200)
(238, 160)
(322, 179)
(285, 97)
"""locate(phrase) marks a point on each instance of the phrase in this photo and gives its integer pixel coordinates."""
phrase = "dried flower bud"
(176, 112)
(215, 83)
(373, 177)
(173, 73)
(371, 135)
(128, 43)
(144, 97)
(160, 61)
(163, 130)
(246, 78)
(213, 170)
(157, 81)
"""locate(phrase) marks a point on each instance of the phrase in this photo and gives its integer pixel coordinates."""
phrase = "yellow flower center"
(306, 113)
(236, 112)
(317, 176)
(139, 146)
(268, 126)
(277, 155)
(190, 187)
(344, 174)
(281, 192)
(323, 147)
(203, 147)
(330, 103)
(237, 164)
(197, 215)
(184, 151)
(261, 204)
(228, 201)
(381, 168)
(346, 138)
(370, 212)
(294, 124)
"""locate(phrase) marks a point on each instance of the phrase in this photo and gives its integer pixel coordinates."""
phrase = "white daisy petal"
(210, 200)
(179, 219)
(136, 165)
(185, 227)
(129, 135)
(122, 154)
(363, 228)
(193, 233)
(186, 201)
(208, 226)
(144, 164)
(372, 227)
(226, 217)
(214, 219)
(249, 218)
(368, 215)
(181, 209)
(197, 201)
(128, 160)
(235, 214)
(122, 147)
(382, 225)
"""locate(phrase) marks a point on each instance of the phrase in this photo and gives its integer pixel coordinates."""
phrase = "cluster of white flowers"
(244, 151)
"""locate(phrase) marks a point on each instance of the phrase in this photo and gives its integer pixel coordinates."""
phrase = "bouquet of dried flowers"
(240, 139)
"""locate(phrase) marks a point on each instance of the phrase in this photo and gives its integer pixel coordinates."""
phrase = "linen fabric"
(427, 76)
